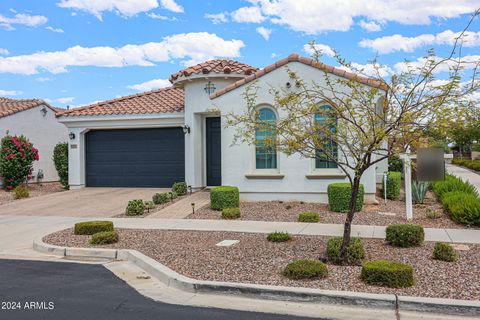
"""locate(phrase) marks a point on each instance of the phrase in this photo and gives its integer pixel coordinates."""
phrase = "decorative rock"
(227, 243)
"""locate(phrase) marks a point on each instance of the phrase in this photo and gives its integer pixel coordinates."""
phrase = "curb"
(181, 282)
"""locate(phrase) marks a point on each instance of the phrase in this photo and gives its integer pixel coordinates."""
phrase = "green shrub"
(279, 236)
(21, 192)
(462, 207)
(445, 252)
(180, 188)
(387, 273)
(305, 269)
(355, 251)
(231, 213)
(104, 237)
(395, 164)
(471, 164)
(432, 214)
(224, 197)
(394, 180)
(405, 235)
(60, 159)
(339, 195)
(308, 217)
(159, 198)
(149, 205)
(419, 191)
(135, 207)
(16, 160)
(91, 227)
(173, 195)
(452, 183)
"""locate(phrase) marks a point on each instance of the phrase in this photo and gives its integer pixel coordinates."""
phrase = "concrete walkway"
(23, 229)
(183, 208)
(465, 174)
(93, 202)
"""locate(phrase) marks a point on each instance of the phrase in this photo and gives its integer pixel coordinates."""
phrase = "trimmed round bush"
(180, 188)
(355, 251)
(21, 192)
(308, 217)
(91, 227)
(394, 180)
(224, 197)
(279, 236)
(462, 207)
(104, 237)
(305, 269)
(135, 207)
(339, 195)
(444, 251)
(405, 235)
(387, 273)
(231, 213)
(159, 198)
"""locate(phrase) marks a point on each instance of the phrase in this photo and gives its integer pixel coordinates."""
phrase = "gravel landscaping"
(157, 208)
(379, 215)
(255, 260)
(35, 191)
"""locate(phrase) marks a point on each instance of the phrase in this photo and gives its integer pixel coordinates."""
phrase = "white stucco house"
(179, 133)
(35, 119)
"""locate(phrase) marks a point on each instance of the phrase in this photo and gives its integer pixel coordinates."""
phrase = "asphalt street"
(57, 290)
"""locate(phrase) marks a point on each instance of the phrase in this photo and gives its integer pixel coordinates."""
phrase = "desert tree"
(358, 121)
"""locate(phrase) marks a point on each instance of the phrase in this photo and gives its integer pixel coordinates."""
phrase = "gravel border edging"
(178, 281)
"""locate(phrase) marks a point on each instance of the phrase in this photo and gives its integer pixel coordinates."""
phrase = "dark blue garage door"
(135, 157)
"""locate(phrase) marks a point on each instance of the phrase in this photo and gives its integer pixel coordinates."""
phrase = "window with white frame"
(265, 154)
(325, 118)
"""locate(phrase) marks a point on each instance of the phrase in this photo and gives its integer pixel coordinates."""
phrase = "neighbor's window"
(265, 156)
(322, 161)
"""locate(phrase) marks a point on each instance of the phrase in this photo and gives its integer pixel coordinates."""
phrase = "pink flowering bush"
(16, 160)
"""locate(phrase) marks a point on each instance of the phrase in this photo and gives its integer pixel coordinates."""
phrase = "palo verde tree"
(362, 113)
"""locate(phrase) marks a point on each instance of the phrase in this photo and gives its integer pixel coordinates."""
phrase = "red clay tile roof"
(11, 106)
(215, 66)
(294, 57)
(157, 101)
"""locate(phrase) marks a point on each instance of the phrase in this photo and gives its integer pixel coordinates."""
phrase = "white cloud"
(157, 16)
(150, 85)
(321, 48)
(10, 92)
(57, 30)
(65, 100)
(397, 42)
(315, 17)
(172, 6)
(264, 32)
(4, 52)
(248, 15)
(22, 19)
(217, 18)
(190, 48)
(369, 69)
(370, 26)
(127, 8)
(468, 62)
(43, 79)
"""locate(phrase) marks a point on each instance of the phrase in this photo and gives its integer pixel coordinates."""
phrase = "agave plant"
(419, 191)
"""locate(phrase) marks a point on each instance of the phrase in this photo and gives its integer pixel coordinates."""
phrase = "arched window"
(265, 156)
(323, 117)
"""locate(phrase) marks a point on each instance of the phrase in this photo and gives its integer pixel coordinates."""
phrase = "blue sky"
(74, 52)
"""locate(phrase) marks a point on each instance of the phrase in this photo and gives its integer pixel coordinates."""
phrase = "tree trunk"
(347, 230)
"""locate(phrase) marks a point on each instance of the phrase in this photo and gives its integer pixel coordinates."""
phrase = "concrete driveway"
(94, 202)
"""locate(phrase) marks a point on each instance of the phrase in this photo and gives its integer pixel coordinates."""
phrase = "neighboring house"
(179, 133)
(35, 119)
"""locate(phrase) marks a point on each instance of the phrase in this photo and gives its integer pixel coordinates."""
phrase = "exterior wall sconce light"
(186, 129)
(43, 111)
(71, 135)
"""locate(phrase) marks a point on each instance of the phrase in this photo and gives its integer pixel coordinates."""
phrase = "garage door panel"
(135, 157)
